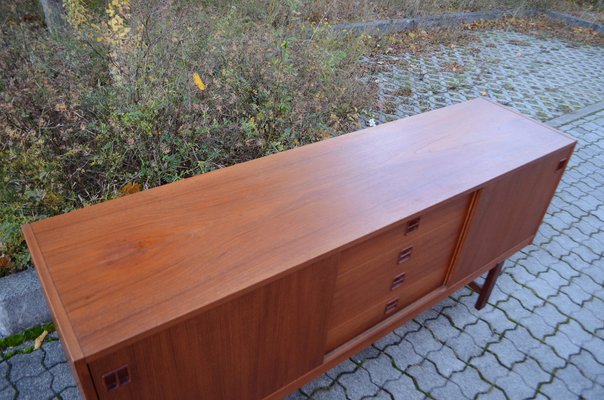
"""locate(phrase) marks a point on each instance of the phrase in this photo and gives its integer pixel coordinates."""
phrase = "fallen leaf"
(130, 188)
(483, 93)
(199, 82)
(39, 340)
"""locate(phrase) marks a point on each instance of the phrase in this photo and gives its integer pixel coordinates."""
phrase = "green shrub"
(85, 120)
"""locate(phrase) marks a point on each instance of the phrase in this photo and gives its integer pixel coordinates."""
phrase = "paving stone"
(423, 342)
(62, 377)
(574, 379)
(380, 370)
(575, 332)
(334, 392)
(562, 345)
(481, 333)
(547, 358)
(588, 365)
(403, 389)
(74, 394)
(514, 310)
(447, 392)
(493, 394)
(596, 347)
(528, 298)
(403, 355)
(596, 392)
(410, 326)
(358, 384)
(550, 313)
(7, 393)
(387, 340)
(4, 375)
(322, 382)
(489, 367)
(426, 376)
(464, 347)
(537, 326)
(381, 395)
(506, 352)
(514, 387)
(470, 382)
(35, 387)
(26, 365)
(497, 320)
(446, 361)
(522, 339)
(365, 354)
(53, 354)
(344, 367)
(531, 373)
(442, 329)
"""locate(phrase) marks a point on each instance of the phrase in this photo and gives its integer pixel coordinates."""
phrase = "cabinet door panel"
(246, 348)
(509, 211)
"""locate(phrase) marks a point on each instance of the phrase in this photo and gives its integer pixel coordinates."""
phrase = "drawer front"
(405, 232)
(409, 270)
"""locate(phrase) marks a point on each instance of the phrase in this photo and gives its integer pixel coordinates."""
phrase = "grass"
(8, 344)
(111, 106)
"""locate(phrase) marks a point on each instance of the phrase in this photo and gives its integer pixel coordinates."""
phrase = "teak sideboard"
(249, 281)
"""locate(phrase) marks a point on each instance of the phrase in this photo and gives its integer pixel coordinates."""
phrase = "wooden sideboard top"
(127, 267)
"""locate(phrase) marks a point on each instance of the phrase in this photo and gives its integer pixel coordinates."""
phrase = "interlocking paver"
(574, 379)
(426, 375)
(449, 391)
(542, 334)
(403, 389)
(380, 370)
(446, 361)
(35, 387)
(470, 382)
(358, 384)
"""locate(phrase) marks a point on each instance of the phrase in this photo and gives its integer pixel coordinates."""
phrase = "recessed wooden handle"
(114, 379)
(391, 306)
(562, 164)
(398, 281)
(405, 255)
(412, 225)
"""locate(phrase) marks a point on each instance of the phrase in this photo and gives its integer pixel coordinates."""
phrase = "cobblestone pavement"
(542, 334)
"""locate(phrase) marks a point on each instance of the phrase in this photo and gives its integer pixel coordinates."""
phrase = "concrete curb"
(381, 27)
(575, 21)
(582, 113)
(22, 303)
(399, 25)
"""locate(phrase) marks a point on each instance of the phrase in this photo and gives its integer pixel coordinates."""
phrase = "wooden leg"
(487, 288)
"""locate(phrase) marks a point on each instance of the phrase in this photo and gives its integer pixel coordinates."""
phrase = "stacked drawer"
(393, 269)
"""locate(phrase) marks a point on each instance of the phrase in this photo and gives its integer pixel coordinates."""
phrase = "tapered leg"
(487, 288)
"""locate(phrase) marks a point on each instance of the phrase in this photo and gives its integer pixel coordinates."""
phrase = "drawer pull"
(562, 164)
(398, 281)
(405, 255)
(412, 225)
(116, 378)
(391, 306)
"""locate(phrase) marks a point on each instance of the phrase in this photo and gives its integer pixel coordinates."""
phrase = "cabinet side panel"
(509, 211)
(244, 349)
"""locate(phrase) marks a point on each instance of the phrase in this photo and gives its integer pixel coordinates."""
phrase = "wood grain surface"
(128, 268)
(244, 349)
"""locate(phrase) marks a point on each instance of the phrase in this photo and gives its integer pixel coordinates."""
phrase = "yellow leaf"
(60, 107)
(130, 188)
(39, 340)
(199, 82)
